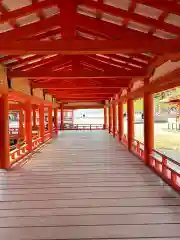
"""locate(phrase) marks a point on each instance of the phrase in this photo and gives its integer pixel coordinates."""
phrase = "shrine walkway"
(85, 185)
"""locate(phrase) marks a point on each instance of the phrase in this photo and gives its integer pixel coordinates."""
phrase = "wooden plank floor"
(85, 185)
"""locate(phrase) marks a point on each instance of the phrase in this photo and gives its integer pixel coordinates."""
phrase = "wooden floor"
(85, 185)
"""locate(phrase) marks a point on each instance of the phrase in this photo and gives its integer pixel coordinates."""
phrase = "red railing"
(19, 152)
(166, 167)
(82, 127)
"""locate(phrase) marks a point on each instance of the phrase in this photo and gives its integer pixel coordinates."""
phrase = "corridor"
(85, 185)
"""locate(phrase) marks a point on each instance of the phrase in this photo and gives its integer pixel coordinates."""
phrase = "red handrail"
(166, 167)
(21, 151)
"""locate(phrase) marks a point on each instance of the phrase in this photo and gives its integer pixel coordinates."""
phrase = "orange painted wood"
(36, 74)
(114, 120)
(82, 84)
(4, 132)
(148, 126)
(84, 47)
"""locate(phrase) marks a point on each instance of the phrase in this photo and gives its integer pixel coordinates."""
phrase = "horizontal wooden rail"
(81, 127)
(18, 152)
(166, 167)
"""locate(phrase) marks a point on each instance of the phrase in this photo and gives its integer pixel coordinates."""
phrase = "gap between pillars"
(56, 120)
(105, 117)
(130, 116)
(120, 121)
(41, 122)
(28, 125)
(62, 117)
(50, 123)
(21, 118)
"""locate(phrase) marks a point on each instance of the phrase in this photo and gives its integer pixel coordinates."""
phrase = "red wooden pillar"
(41, 122)
(21, 129)
(34, 119)
(50, 127)
(62, 117)
(56, 120)
(110, 117)
(130, 130)
(4, 132)
(105, 117)
(148, 126)
(114, 109)
(120, 121)
(28, 125)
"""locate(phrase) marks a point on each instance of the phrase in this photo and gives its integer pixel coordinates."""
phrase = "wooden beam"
(70, 47)
(30, 29)
(70, 75)
(134, 16)
(83, 106)
(86, 91)
(82, 85)
(163, 83)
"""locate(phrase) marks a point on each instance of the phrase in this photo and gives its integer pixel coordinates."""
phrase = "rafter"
(20, 12)
(132, 16)
(30, 29)
(86, 91)
(83, 84)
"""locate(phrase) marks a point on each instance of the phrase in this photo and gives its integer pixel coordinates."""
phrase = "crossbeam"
(71, 75)
(69, 47)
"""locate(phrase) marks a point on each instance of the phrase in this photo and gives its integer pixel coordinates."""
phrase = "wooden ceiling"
(86, 49)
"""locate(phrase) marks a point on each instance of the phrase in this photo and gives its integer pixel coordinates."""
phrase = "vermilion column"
(4, 132)
(114, 109)
(41, 122)
(28, 125)
(110, 117)
(120, 121)
(148, 126)
(56, 120)
(34, 119)
(62, 117)
(130, 130)
(50, 126)
(105, 117)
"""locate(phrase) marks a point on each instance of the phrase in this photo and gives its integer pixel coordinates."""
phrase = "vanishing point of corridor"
(85, 185)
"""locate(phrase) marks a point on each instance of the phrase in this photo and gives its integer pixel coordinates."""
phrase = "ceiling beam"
(70, 47)
(71, 75)
(153, 23)
(86, 91)
(30, 29)
(82, 85)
